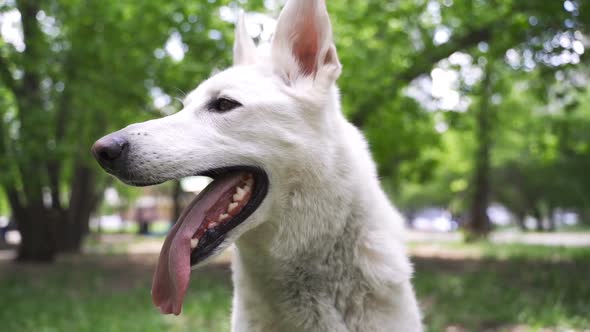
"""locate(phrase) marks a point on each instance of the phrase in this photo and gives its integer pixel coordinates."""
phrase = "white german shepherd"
(319, 246)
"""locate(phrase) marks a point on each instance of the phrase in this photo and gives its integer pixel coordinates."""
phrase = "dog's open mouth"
(229, 200)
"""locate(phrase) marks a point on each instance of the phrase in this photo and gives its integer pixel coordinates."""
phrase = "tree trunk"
(83, 200)
(539, 219)
(34, 220)
(551, 222)
(36, 227)
(46, 231)
(144, 228)
(35, 224)
(520, 221)
(479, 223)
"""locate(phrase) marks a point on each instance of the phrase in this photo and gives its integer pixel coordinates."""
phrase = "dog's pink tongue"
(173, 270)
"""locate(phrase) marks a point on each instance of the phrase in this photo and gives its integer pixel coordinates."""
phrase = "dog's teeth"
(247, 188)
(212, 225)
(250, 182)
(239, 195)
(223, 217)
(194, 243)
(232, 207)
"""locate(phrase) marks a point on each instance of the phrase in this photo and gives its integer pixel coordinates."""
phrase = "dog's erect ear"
(302, 44)
(244, 48)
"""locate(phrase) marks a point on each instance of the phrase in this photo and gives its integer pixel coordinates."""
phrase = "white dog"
(319, 246)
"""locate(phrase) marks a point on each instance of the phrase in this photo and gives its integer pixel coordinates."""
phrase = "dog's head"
(244, 128)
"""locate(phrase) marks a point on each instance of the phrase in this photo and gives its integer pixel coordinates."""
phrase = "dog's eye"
(223, 105)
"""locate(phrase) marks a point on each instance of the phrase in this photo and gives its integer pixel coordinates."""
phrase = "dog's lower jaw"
(333, 261)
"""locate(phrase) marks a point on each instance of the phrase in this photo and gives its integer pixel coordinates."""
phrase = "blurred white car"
(434, 220)
(112, 222)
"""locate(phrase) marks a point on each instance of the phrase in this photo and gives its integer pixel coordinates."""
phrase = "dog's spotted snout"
(111, 150)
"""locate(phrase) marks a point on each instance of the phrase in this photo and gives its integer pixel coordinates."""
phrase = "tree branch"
(6, 76)
(434, 54)
(425, 61)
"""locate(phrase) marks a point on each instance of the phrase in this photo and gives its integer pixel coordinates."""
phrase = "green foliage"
(98, 63)
(95, 64)
(538, 108)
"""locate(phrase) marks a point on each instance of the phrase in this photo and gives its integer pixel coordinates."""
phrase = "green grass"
(122, 245)
(110, 297)
(492, 288)
(508, 286)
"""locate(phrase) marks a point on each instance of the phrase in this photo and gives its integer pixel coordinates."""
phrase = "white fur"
(244, 48)
(324, 251)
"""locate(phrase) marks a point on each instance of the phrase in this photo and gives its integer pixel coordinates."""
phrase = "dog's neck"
(333, 239)
(311, 205)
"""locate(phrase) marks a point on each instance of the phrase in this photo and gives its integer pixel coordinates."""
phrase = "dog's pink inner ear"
(303, 39)
(331, 56)
(306, 47)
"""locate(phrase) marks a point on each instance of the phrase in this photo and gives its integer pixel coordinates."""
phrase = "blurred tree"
(84, 69)
(543, 153)
(432, 154)
(87, 68)
(479, 223)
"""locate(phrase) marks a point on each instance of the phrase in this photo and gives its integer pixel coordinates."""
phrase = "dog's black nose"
(110, 148)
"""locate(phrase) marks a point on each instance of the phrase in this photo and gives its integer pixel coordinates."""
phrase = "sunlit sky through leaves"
(438, 91)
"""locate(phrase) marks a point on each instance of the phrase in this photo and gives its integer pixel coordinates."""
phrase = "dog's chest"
(308, 292)
(324, 293)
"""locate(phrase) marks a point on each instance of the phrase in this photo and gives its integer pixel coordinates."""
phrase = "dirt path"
(548, 239)
(133, 245)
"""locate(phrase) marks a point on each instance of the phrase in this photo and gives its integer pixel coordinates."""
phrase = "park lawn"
(493, 288)
(109, 293)
(506, 287)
